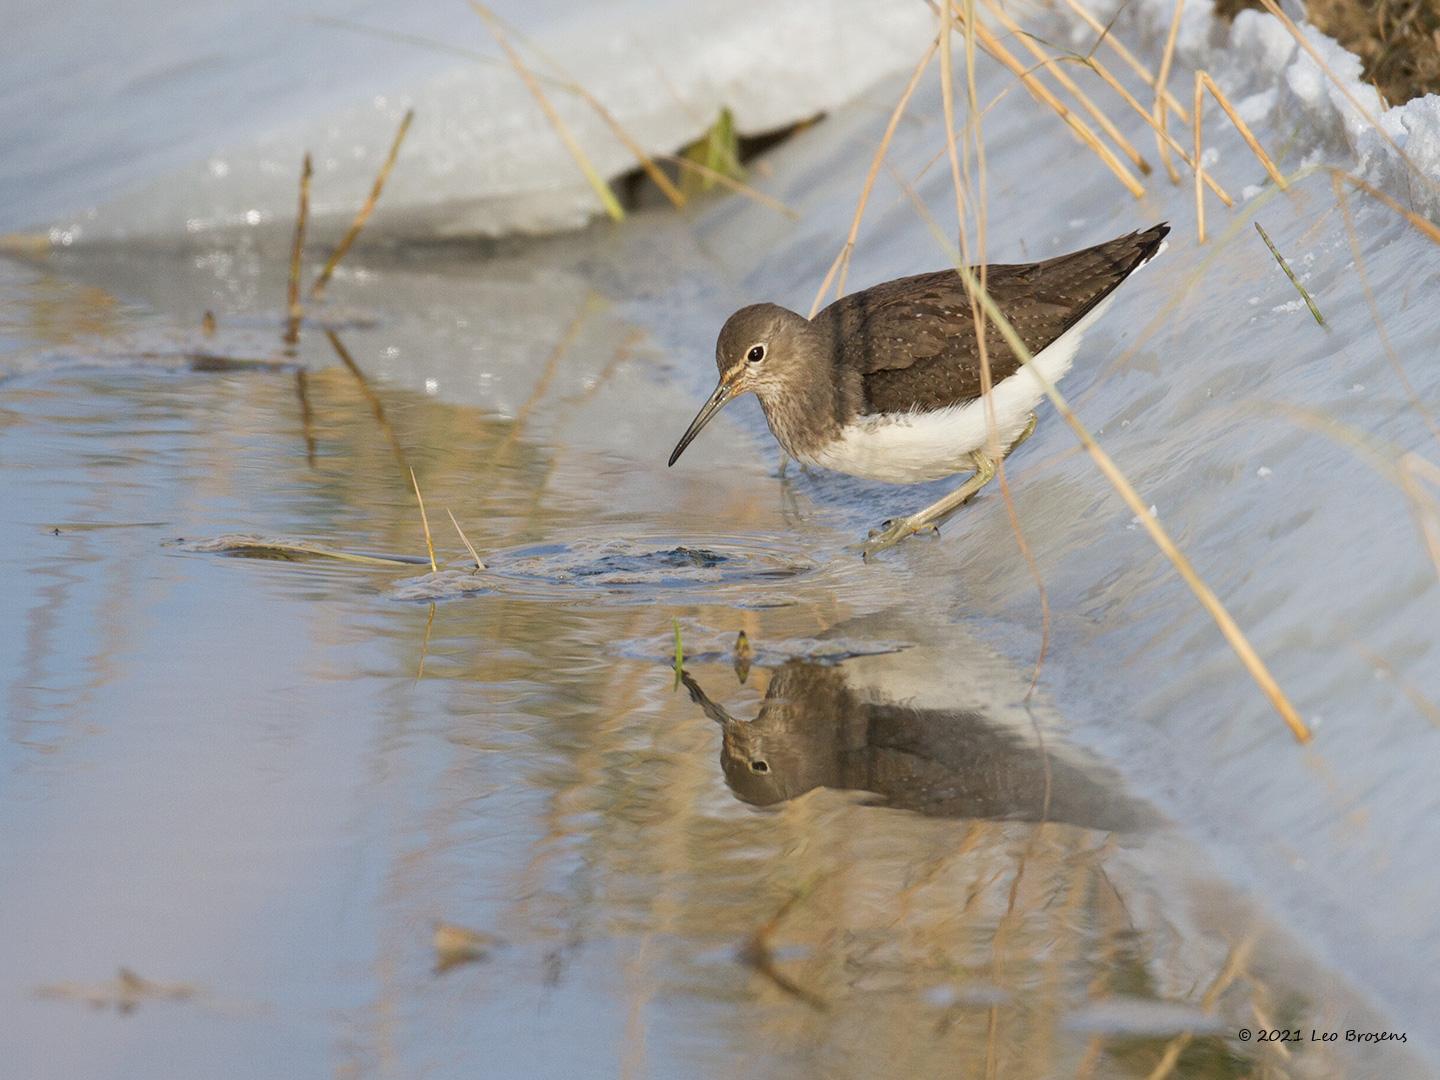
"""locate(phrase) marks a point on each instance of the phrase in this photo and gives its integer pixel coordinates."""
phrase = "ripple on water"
(742, 570)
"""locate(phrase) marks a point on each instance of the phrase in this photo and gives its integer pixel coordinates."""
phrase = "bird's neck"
(804, 412)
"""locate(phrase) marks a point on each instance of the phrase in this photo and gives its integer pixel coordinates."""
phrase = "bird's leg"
(936, 512)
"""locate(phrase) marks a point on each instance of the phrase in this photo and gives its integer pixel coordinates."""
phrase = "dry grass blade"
(1041, 93)
(425, 521)
(1423, 704)
(259, 547)
(294, 312)
(1233, 966)
(1203, 77)
(1118, 47)
(1428, 228)
(1304, 294)
(729, 182)
(592, 176)
(363, 215)
(1051, 65)
(842, 260)
(647, 163)
(1300, 39)
(377, 407)
(1162, 83)
(307, 415)
(561, 83)
(1198, 111)
(479, 562)
(1414, 468)
(1390, 354)
(1145, 114)
(1231, 631)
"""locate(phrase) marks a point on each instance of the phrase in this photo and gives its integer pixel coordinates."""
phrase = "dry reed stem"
(377, 407)
(479, 562)
(1145, 114)
(424, 652)
(647, 163)
(1405, 475)
(1198, 111)
(1428, 228)
(542, 384)
(977, 313)
(1423, 704)
(1304, 42)
(1042, 93)
(592, 176)
(1051, 65)
(842, 260)
(1162, 82)
(425, 521)
(1203, 77)
(1118, 46)
(363, 214)
(1212, 604)
(737, 186)
(560, 83)
(1304, 293)
(294, 312)
(307, 415)
(1391, 355)
(1412, 468)
(1234, 964)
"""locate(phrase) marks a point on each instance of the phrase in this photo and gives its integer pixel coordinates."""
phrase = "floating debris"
(245, 546)
(457, 945)
(124, 993)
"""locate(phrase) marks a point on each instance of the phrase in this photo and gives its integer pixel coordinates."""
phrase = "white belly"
(907, 448)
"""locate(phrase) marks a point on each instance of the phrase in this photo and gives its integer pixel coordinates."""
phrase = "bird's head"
(762, 349)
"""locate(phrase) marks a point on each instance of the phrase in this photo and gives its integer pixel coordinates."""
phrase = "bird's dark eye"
(756, 354)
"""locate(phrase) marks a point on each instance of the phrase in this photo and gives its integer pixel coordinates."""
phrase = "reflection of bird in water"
(817, 729)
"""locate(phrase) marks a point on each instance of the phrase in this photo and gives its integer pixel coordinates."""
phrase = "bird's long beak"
(723, 393)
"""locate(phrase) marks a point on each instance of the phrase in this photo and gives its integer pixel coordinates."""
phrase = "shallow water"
(261, 781)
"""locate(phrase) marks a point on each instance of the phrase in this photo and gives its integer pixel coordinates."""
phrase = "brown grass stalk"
(1042, 93)
(1162, 82)
(1051, 65)
(1115, 84)
(424, 521)
(560, 83)
(1203, 77)
(739, 187)
(646, 161)
(592, 176)
(377, 407)
(293, 311)
(307, 415)
(1197, 111)
(842, 260)
(479, 562)
(1212, 604)
(1118, 47)
(1427, 227)
(1353, 238)
(1234, 964)
(1300, 39)
(322, 279)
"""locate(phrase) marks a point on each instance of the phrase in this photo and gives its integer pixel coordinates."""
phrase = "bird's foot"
(894, 530)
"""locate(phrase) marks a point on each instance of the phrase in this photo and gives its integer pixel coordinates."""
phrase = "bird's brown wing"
(913, 343)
